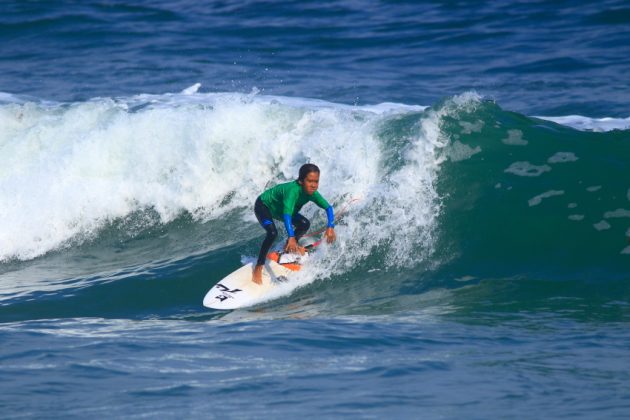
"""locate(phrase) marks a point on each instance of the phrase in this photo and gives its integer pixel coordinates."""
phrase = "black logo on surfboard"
(225, 290)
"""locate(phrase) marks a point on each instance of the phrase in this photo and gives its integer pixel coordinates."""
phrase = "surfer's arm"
(287, 214)
(288, 225)
(330, 214)
(318, 199)
(330, 230)
(292, 245)
(321, 202)
(288, 206)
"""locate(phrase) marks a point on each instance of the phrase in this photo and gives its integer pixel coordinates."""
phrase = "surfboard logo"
(225, 292)
(279, 279)
(227, 289)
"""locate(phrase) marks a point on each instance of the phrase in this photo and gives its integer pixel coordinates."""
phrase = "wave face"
(463, 184)
(526, 196)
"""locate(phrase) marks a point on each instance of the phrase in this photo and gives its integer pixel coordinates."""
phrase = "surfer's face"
(310, 183)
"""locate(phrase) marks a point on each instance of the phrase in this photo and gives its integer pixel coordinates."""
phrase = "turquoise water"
(479, 154)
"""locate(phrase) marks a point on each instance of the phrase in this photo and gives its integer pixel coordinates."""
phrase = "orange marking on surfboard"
(274, 256)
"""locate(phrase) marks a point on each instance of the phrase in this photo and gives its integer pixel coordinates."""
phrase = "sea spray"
(72, 169)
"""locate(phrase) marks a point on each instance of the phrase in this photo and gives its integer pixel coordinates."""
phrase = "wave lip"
(591, 124)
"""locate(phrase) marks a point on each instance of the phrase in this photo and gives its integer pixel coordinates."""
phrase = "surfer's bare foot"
(257, 276)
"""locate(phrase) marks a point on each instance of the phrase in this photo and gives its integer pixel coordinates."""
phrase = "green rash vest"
(288, 198)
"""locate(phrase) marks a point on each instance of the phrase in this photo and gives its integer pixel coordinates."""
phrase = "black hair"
(306, 169)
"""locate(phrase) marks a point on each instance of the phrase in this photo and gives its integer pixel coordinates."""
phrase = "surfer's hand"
(292, 246)
(330, 235)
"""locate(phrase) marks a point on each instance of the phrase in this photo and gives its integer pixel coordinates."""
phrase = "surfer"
(283, 202)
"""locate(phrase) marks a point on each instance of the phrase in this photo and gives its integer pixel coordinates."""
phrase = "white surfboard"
(237, 290)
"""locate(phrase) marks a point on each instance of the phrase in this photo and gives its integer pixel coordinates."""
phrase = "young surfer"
(283, 202)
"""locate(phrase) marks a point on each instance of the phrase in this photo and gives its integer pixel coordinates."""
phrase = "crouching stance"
(283, 202)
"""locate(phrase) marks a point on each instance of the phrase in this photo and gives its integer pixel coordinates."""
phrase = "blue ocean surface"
(477, 155)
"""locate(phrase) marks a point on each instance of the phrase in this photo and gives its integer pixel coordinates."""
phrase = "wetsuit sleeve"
(288, 225)
(321, 202)
(330, 214)
(288, 205)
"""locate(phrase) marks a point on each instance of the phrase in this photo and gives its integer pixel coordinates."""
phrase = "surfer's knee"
(301, 223)
(272, 232)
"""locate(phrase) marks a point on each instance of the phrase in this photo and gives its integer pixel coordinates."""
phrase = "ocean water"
(478, 154)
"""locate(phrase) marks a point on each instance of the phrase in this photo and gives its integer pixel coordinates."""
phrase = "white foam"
(459, 151)
(468, 128)
(69, 169)
(562, 157)
(539, 198)
(192, 89)
(602, 225)
(8, 98)
(192, 95)
(527, 169)
(617, 214)
(398, 210)
(515, 138)
(591, 124)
